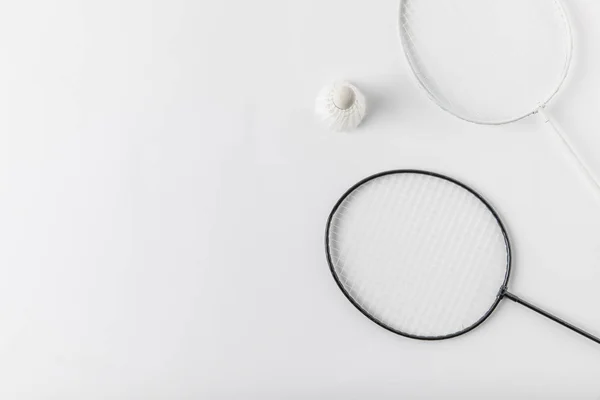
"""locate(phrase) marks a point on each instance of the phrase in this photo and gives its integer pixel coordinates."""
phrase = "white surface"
(164, 189)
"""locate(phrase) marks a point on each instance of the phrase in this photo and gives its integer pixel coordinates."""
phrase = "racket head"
(367, 301)
(495, 69)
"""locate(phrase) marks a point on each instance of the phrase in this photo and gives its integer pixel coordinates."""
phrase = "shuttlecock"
(341, 106)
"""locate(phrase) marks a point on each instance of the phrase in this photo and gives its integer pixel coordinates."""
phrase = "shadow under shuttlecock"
(384, 101)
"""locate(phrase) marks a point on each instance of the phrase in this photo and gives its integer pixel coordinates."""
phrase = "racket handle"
(564, 138)
(554, 318)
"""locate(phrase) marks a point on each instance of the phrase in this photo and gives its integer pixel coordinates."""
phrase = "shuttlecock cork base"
(341, 106)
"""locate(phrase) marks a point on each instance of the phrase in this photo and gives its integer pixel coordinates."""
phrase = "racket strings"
(420, 254)
(487, 61)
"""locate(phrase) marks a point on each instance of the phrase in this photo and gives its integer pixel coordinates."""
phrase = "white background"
(164, 187)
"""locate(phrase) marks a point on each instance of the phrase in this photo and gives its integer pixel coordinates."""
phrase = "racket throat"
(541, 110)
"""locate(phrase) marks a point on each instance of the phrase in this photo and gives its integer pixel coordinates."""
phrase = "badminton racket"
(422, 255)
(488, 61)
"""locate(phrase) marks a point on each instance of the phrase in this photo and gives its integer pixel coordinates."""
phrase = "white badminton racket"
(489, 61)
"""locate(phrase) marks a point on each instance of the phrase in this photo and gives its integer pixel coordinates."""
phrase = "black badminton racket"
(421, 255)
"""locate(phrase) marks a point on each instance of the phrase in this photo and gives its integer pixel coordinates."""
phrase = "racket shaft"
(554, 318)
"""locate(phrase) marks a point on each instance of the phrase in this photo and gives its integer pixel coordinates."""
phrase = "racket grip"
(554, 318)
